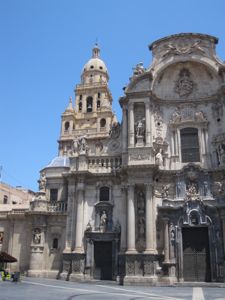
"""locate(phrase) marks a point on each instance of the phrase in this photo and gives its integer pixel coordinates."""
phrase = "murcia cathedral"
(141, 201)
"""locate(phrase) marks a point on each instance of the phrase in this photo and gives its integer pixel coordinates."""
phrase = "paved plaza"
(46, 289)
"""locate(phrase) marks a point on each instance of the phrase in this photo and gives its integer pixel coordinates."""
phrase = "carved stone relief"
(158, 117)
(184, 85)
(140, 225)
(187, 114)
(139, 154)
(182, 49)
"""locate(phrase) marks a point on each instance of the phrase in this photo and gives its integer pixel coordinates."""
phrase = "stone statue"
(141, 227)
(103, 221)
(159, 158)
(139, 69)
(140, 128)
(115, 130)
(42, 182)
(221, 154)
(199, 116)
(141, 203)
(82, 145)
(191, 192)
(176, 116)
(165, 191)
(37, 236)
(88, 227)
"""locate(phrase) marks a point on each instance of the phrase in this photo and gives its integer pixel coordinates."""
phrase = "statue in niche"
(37, 236)
(165, 191)
(221, 153)
(184, 85)
(192, 192)
(141, 227)
(159, 158)
(140, 130)
(103, 221)
(205, 188)
(82, 145)
(141, 203)
(42, 182)
(74, 146)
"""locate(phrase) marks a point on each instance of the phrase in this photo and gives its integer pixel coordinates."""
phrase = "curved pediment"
(185, 81)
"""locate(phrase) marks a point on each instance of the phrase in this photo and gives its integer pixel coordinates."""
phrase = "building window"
(5, 199)
(102, 122)
(98, 104)
(189, 145)
(89, 104)
(80, 106)
(55, 243)
(99, 95)
(67, 125)
(104, 193)
(53, 195)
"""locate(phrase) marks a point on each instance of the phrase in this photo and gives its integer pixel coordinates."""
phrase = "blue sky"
(45, 44)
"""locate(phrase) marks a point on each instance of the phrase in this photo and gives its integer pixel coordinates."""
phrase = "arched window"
(102, 123)
(189, 145)
(5, 199)
(104, 193)
(67, 126)
(89, 104)
(55, 243)
(98, 104)
(80, 106)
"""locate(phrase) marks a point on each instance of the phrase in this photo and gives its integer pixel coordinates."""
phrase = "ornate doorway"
(103, 260)
(196, 256)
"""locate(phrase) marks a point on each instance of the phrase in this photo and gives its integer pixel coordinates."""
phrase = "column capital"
(147, 105)
(131, 105)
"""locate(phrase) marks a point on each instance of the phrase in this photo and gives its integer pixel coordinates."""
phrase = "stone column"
(131, 125)
(149, 220)
(123, 243)
(79, 218)
(130, 220)
(172, 143)
(148, 125)
(166, 241)
(70, 215)
(124, 129)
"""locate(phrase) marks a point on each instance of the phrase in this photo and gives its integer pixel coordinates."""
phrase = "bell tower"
(92, 114)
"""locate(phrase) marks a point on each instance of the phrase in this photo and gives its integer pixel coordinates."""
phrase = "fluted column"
(131, 124)
(79, 219)
(148, 125)
(149, 219)
(124, 129)
(166, 241)
(130, 220)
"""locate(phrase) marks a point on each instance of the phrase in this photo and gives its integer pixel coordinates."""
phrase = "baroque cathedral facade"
(142, 201)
